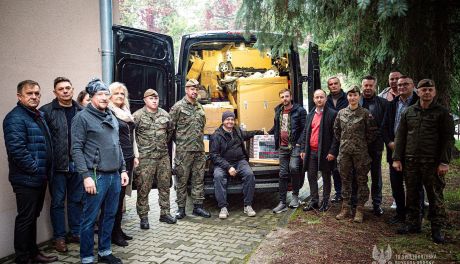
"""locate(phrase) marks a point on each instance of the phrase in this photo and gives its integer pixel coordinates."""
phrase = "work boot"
(110, 259)
(60, 245)
(125, 236)
(281, 207)
(198, 210)
(117, 239)
(344, 212)
(409, 229)
(180, 214)
(294, 201)
(358, 214)
(437, 236)
(168, 219)
(145, 223)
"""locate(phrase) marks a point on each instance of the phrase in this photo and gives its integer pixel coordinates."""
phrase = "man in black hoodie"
(230, 158)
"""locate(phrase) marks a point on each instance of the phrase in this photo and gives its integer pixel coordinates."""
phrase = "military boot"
(437, 236)
(198, 210)
(180, 213)
(358, 214)
(344, 212)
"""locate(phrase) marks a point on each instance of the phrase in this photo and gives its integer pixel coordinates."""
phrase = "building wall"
(40, 40)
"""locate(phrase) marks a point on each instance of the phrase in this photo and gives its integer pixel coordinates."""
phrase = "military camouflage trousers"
(360, 164)
(189, 163)
(148, 171)
(416, 174)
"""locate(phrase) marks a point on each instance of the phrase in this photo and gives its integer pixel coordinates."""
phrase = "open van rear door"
(314, 80)
(144, 60)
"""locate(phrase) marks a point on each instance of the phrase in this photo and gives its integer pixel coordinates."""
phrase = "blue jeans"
(290, 170)
(71, 185)
(108, 190)
(221, 178)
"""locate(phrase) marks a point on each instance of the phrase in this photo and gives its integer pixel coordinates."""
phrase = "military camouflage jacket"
(188, 122)
(153, 132)
(354, 129)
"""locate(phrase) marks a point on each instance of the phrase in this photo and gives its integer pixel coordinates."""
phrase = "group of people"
(86, 152)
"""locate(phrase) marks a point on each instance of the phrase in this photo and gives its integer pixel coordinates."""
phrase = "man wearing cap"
(98, 158)
(153, 131)
(230, 158)
(354, 128)
(423, 141)
(188, 121)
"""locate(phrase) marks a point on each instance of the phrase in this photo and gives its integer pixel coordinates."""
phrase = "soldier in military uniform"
(188, 122)
(423, 145)
(153, 131)
(354, 128)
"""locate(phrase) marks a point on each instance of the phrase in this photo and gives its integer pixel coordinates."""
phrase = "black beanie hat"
(227, 114)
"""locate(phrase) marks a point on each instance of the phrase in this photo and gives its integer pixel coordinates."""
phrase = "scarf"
(122, 113)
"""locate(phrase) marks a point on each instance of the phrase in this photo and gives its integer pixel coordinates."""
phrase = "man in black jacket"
(288, 127)
(378, 107)
(230, 158)
(336, 100)
(319, 148)
(66, 181)
(28, 145)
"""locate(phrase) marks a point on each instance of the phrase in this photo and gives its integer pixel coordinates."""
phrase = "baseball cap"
(150, 92)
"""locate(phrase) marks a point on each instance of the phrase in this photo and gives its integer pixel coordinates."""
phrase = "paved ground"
(193, 240)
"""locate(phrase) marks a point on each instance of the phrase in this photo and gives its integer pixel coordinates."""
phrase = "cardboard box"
(206, 143)
(257, 99)
(209, 80)
(212, 59)
(250, 57)
(195, 70)
(213, 114)
(263, 147)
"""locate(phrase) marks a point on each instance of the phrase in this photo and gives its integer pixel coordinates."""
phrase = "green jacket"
(188, 122)
(153, 132)
(425, 134)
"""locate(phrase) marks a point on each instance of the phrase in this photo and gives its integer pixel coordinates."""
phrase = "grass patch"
(296, 214)
(300, 215)
(452, 199)
(457, 144)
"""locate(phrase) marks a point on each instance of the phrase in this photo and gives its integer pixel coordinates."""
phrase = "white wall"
(40, 40)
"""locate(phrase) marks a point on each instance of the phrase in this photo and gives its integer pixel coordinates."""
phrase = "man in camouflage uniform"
(354, 128)
(153, 131)
(188, 121)
(423, 141)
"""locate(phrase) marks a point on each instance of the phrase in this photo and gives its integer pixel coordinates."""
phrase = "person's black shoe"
(310, 206)
(180, 214)
(117, 239)
(324, 206)
(125, 236)
(167, 218)
(40, 258)
(110, 259)
(397, 219)
(198, 210)
(378, 211)
(145, 223)
(337, 199)
(409, 229)
(437, 236)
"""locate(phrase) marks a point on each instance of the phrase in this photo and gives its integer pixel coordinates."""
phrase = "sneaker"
(110, 259)
(393, 205)
(294, 201)
(281, 207)
(223, 213)
(337, 199)
(249, 211)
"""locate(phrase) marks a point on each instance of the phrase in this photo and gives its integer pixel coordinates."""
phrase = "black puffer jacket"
(298, 118)
(57, 123)
(218, 145)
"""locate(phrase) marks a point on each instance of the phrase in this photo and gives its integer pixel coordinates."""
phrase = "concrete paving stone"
(202, 250)
(221, 253)
(236, 255)
(189, 260)
(187, 254)
(172, 256)
(157, 259)
(171, 251)
(186, 248)
(207, 257)
(203, 261)
(222, 259)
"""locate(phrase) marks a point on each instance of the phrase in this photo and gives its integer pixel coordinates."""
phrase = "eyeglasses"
(403, 84)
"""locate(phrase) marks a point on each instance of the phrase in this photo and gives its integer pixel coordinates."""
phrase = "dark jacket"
(28, 146)
(298, 117)
(425, 134)
(389, 123)
(218, 145)
(95, 142)
(379, 112)
(57, 123)
(126, 138)
(342, 102)
(327, 142)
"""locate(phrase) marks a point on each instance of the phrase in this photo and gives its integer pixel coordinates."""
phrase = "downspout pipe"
(105, 9)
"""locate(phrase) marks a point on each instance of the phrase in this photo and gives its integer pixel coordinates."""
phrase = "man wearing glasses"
(98, 157)
(188, 120)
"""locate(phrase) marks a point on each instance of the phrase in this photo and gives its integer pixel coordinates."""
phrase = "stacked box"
(263, 147)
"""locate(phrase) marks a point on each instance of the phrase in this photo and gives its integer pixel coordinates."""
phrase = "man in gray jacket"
(98, 158)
